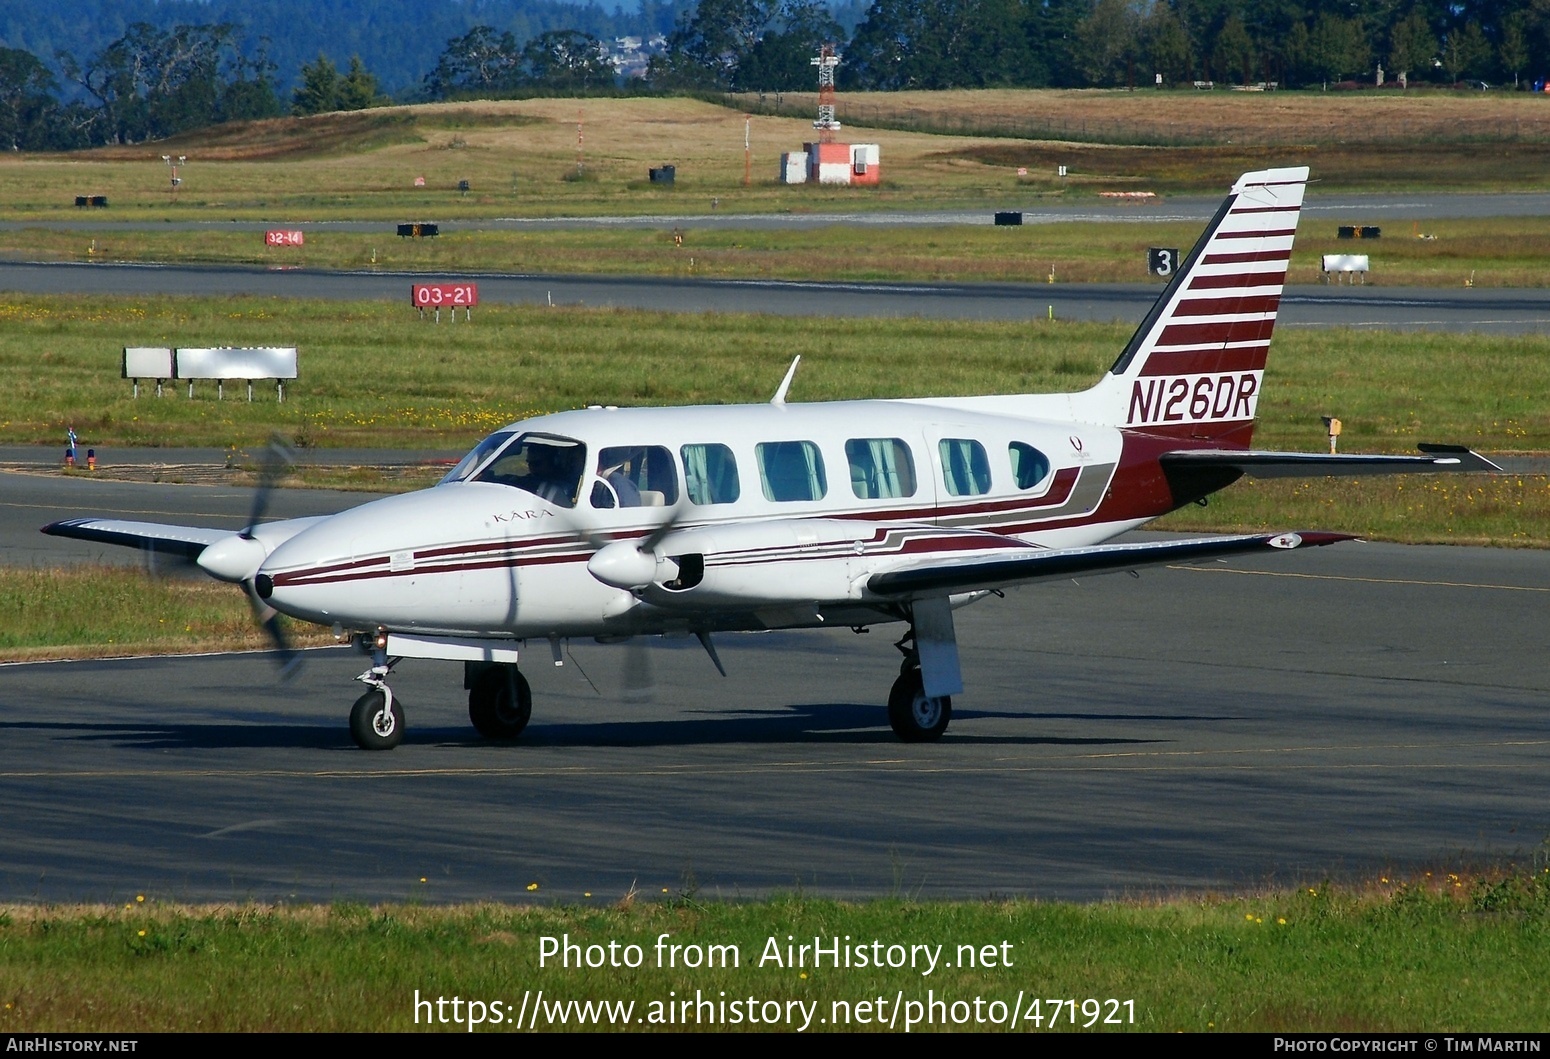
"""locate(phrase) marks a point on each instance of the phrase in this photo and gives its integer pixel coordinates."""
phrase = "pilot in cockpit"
(554, 472)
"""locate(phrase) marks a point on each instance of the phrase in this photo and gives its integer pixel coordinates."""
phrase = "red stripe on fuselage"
(1059, 493)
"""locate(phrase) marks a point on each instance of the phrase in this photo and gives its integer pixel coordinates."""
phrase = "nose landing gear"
(377, 719)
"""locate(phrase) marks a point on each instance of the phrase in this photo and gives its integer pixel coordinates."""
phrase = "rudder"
(1195, 365)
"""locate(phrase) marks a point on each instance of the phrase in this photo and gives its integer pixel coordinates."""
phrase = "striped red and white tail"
(1194, 367)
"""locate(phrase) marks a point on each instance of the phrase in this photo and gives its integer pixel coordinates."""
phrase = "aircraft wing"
(936, 576)
(187, 541)
(1436, 458)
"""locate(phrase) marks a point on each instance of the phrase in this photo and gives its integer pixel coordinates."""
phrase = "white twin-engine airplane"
(613, 523)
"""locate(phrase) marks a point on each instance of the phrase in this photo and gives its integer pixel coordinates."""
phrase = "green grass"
(1501, 252)
(374, 374)
(106, 611)
(1435, 952)
(1512, 510)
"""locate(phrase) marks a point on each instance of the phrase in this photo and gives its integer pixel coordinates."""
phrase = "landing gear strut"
(500, 702)
(377, 719)
(914, 716)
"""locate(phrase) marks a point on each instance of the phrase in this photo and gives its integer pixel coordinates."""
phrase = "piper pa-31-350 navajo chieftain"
(614, 523)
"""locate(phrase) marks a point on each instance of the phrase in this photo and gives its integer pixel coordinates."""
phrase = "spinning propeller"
(632, 564)
(238, 557)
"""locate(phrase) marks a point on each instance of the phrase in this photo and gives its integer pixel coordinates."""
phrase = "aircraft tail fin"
(1194, 367)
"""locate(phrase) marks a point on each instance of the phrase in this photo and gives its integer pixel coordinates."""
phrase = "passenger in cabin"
(634, 476)
(616, 489)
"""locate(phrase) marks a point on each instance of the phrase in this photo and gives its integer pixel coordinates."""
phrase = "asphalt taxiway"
(1516, 311)
(1348, 710)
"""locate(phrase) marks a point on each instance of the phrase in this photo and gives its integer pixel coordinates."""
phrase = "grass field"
(1436, 951)
(517, 154)
(1186, 116)
(108, 612)
(373, 374)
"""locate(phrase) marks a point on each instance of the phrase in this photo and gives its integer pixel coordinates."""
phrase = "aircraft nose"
(263, 584)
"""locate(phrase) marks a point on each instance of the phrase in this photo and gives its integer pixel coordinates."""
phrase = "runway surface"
(1349, 710)
(1516, 311)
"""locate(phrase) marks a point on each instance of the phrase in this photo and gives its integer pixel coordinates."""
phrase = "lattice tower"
(826, 124)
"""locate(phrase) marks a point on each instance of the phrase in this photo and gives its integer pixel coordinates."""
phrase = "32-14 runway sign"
(282, 237)
(444, 295)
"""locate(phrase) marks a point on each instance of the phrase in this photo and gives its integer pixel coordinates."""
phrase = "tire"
(500, 703)
(913, 717)
(376, 721)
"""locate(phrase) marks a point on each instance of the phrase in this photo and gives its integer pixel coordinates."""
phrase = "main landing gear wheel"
(500, 703)
(915, 718)
(376, 721)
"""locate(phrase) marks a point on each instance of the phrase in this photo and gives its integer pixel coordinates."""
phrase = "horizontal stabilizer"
(187, 541)
(998, 571)
(1436, 459)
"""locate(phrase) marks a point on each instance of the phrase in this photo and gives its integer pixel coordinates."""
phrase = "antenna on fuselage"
(785, 384)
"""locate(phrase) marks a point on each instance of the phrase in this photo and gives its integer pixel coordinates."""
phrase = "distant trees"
(781, 60)
(151, 83)
(323, 90)
(481, 62)
(26, 99)
(484, 62)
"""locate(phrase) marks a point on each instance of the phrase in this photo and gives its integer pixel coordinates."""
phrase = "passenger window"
(710, 474)
(635, 476)
(1029, 465)
(965, 467)
(880, 468)
(791, 470)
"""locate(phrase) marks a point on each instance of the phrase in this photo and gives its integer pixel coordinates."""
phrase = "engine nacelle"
(789, 561)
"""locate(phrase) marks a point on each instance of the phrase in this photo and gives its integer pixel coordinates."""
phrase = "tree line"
(764, 45)
(152, 82)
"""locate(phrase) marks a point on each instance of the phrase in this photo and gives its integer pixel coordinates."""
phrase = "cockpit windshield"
(546, 465)
(477, 455)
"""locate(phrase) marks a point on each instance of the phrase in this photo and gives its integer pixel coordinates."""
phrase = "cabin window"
(880, 468)
(1029, 465)
(791, 470)
(710, 474)
(549, 467)
(965, 468)
(477, 455)
(634, 476)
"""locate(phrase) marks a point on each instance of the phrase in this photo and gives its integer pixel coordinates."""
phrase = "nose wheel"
(376, 720)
